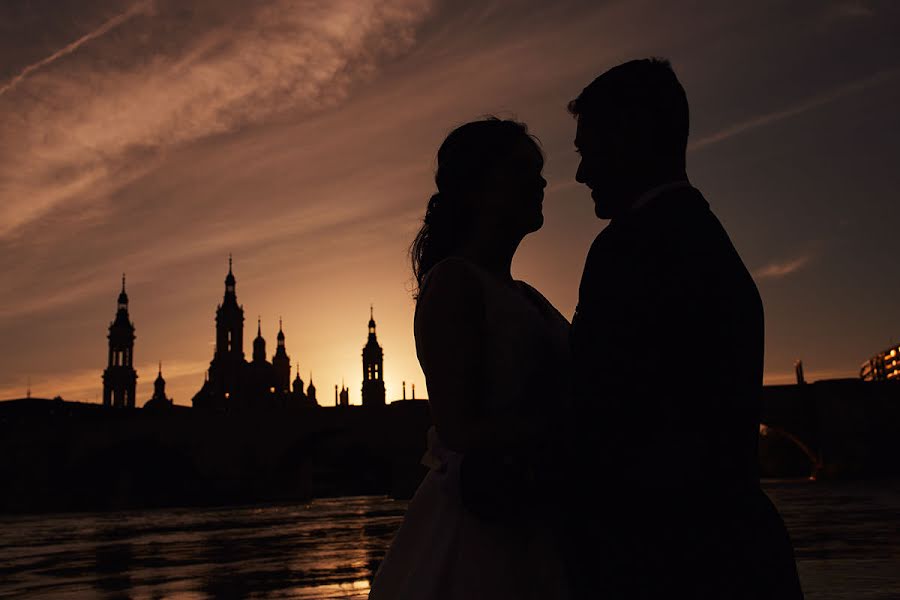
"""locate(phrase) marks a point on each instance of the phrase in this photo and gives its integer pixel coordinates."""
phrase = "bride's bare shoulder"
(451, 287)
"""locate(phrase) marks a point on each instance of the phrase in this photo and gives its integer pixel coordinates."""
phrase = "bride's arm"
(450, 334)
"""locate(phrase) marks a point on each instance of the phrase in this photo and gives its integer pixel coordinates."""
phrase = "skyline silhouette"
(231, 380)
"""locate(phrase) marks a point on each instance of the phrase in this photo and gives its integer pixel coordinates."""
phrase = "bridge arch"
(815, 461)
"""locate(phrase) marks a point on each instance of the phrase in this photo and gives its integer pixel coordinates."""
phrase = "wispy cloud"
(137, 9)
(848, 9)
(807, 105)
(90, 125)
(783, 268)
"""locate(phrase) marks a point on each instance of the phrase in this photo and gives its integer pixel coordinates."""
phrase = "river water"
(846, 535)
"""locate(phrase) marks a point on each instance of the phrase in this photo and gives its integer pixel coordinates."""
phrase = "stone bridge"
(848, 427)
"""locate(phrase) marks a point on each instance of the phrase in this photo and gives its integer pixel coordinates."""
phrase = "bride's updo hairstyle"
(465, 161)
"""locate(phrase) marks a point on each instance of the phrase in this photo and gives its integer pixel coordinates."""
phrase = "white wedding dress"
(441, 550)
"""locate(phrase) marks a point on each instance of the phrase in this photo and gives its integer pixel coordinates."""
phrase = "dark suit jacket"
(667, 345)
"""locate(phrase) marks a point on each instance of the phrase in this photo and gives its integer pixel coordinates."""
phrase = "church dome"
(259, 341)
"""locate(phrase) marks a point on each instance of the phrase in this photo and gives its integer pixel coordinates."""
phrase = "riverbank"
(843, 532)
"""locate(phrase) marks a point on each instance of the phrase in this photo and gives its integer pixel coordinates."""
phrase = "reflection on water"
(845, 535)
(327, 549)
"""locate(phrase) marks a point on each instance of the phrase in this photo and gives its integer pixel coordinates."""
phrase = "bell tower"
(373, 368)
(228, 361)
(119, 377)
(282, 364)
(230, 324)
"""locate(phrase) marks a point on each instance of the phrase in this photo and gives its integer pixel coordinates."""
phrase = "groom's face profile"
(632, 133)
(606, 163)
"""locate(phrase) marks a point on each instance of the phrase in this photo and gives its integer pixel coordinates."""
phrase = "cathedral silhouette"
(232, 384)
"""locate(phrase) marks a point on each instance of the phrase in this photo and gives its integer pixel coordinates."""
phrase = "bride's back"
(497, 346)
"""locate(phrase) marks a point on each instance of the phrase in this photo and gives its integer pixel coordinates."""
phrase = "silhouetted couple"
(642, 482)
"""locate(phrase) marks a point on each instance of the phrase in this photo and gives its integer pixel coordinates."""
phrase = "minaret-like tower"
(298, 384)
(230, 324)
(373, 368)
(259, 344)
(311, 392)
(228, 361)
(159, 399)
(120, 378)
(282, 364)
(159, 386)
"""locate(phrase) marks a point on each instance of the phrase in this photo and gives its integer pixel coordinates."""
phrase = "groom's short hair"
(645, 89)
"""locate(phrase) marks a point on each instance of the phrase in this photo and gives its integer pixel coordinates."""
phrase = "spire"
(371, 321)
(280, 333)
(123, 297)
(259, 344)
(298, 383)
(159, 388)
(311, 391)
(229, 279)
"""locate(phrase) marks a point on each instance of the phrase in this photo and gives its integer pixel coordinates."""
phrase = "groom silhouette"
(667, 343)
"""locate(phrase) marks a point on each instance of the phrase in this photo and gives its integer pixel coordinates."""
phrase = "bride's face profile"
(512, 200)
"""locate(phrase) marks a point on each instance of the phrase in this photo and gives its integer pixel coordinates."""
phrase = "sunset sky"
(155, 137)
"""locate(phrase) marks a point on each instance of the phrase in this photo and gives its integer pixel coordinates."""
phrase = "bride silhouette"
(475, 527)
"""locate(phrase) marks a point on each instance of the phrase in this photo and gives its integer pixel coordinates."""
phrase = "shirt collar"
(657, 191)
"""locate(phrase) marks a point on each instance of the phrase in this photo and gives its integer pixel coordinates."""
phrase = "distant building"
(119, 377)
(884, 366)
(373, 368)
(300, 398)
(159, 400)
(232, 383)
(310, 389)
(341, 398)
(798, 371)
